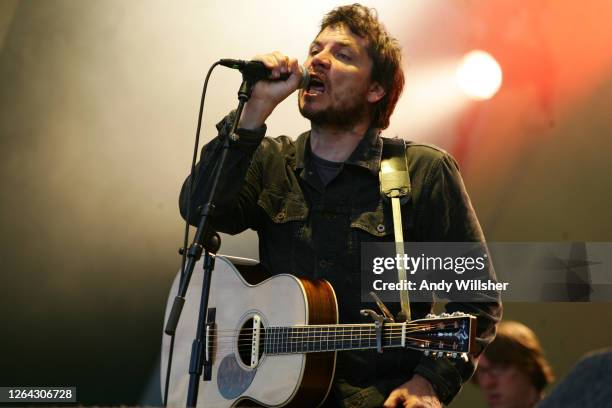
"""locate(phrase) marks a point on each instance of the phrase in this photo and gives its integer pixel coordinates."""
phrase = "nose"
(320, 60)
(487, 381)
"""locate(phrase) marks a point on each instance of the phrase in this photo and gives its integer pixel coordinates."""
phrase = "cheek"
(515, 386)
(348, 90)
(346, 78)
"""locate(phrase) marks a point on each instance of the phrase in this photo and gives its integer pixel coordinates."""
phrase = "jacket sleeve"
(451, 218)
(239, 184)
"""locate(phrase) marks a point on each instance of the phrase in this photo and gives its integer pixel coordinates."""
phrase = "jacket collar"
(367, 154)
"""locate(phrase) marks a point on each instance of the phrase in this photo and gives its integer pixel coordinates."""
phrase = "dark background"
(97, 113)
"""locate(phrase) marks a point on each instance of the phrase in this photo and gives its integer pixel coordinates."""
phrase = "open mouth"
(493, 399)
(316, 86)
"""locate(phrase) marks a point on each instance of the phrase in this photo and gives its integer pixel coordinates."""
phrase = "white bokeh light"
(479, 75)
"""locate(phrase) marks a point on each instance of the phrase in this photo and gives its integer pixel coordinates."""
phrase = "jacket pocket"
(282, 240)
(377, 225)
(282, 208)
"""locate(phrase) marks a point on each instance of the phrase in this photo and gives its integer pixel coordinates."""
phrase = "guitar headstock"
(450, 335)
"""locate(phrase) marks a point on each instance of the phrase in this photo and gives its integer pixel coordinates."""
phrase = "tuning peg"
(464, 357)
(454, 355)
(426, 353)
(440, 354)
(430, 316)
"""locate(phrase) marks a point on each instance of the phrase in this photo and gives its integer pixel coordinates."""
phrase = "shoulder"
(431, 169)
(426, 153)
(279, 144)
(278, 151)
(424, 157)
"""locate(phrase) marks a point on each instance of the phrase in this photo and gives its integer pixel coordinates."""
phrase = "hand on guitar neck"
(414, 393)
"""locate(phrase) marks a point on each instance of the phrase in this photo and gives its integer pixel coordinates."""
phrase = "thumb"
(296, 73)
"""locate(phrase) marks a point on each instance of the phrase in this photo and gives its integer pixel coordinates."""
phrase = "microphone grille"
(305, 78)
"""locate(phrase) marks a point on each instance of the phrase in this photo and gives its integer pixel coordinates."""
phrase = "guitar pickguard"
(232, 379)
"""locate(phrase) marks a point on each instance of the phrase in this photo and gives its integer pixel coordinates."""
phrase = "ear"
(375, 93)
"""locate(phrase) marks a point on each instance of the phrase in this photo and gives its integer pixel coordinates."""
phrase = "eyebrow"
(344, 44)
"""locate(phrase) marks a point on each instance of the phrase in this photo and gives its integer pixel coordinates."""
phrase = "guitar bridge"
(255, 340)
(208, 345)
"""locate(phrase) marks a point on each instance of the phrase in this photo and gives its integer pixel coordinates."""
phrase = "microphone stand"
(208, 241)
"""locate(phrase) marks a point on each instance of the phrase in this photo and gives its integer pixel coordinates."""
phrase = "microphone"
(256, 70)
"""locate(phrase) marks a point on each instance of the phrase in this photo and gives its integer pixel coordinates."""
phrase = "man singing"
(315, 199)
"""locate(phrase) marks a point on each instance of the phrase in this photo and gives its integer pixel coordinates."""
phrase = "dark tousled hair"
(516, 344)
(383, 50)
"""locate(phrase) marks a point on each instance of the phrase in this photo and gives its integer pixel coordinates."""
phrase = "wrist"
(253, 117)
(443, 377)
(424, 384)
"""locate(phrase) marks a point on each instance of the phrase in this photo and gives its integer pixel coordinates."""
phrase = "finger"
(285, 65)
(281, 64)
(412, 402)
(269, 60)
(266, 59)
(293, 66)
(295, 73)
(392, 401)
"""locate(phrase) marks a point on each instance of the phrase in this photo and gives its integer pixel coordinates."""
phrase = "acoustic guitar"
(272, 341)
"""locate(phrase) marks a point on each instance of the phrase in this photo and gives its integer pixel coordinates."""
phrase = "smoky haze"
(96, 120)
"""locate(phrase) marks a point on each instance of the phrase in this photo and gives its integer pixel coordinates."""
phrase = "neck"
(534, 397)
(333, 337)
(336, 144)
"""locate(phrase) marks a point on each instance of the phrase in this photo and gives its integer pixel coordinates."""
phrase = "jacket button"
(280, 216)
(380, 228)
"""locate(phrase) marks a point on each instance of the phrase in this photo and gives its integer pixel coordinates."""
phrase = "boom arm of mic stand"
(195, 252)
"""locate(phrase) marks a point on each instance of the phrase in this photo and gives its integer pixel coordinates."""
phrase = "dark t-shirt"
(327, 170)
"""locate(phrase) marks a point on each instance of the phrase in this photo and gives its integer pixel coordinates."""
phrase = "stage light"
(479, 75)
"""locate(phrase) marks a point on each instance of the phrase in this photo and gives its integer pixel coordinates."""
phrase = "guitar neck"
(338, 337)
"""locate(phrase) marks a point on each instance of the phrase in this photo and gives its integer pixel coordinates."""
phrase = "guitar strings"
(247, 337)
(314, 334)
(397, 326)
(286, 351)
(339, 327)
(279, 337)
(388, 335)
(443, 345)
(335, 341)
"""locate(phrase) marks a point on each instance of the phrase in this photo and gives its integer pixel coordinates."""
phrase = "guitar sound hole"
(245, 342)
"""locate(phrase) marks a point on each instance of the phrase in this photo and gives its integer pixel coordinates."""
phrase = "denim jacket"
(308, 229)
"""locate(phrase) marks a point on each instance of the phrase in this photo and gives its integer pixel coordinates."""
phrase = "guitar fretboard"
(310, 339)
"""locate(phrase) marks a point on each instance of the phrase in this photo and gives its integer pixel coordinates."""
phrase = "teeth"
(316, 88)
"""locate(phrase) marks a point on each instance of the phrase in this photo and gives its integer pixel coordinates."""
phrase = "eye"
(343, 56)
(313, 52)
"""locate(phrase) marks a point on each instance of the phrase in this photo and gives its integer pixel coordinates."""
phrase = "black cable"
(186, 235)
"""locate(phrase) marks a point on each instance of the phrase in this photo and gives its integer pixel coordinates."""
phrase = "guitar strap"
(395, 184)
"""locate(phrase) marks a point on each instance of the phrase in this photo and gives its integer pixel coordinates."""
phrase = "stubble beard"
(342, 116)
